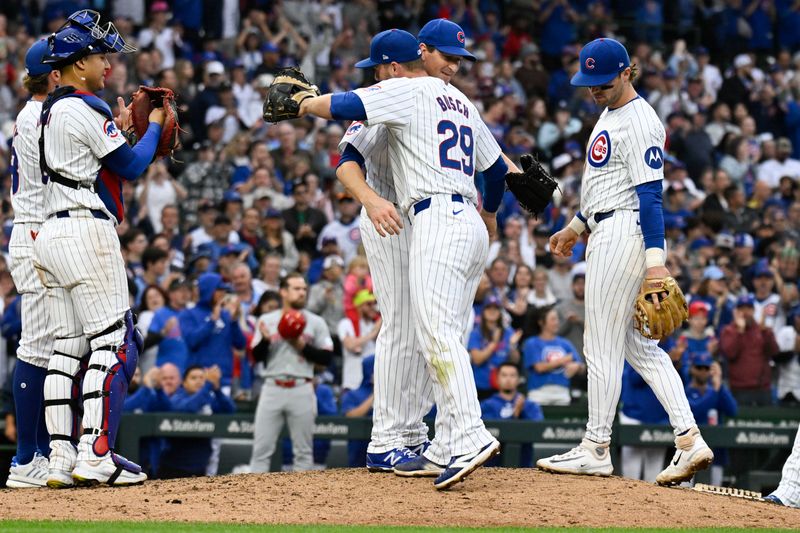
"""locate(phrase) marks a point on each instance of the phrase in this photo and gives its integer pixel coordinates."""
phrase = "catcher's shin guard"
(112, 364)
(62, 400)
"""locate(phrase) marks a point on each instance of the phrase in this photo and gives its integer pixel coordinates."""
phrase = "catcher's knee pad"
(62, 388)
(115, 352)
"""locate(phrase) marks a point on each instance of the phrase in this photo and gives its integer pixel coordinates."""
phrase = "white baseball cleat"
(60, 479)
(692, 455)
(110, 468)
(32, 475)
(588, 458)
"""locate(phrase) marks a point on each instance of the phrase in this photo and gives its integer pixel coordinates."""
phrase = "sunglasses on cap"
(702, 367)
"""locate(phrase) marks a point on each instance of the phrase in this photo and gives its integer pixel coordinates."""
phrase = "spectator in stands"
(572, 311)
(357, 403)
(155, 262)
(326, 297)
(714, 291)
(246, 289)
(357, 336)
(783, 164)
(211, 328)
(157, 190)
(278, 240)
(356, 279)
(788, 360)
(287, 393)
(133, 244)
(344, 229)
(303, 221)
(720, 123)
(550, 362)
(270, 271)
(768, 309)
(201, 392)
(491, 344)
(710, 400)
(250, 232)
(164, 331)
(640, 406)
(509, 404)
(214, 77)
(541, 295)
(516, 304)
(205, 181)
(153, 299)
(749, 348)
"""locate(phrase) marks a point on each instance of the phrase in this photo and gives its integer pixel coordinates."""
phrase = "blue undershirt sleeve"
(347, 106)
(129, 163)
(351, 153)
(495, 184)
(651, 213)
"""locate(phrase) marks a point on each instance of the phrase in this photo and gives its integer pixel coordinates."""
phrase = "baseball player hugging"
(84, 158)
(621, 206)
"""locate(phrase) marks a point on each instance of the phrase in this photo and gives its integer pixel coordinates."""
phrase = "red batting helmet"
(292, 324)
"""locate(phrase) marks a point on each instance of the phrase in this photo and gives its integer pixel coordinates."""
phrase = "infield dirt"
(490, 497)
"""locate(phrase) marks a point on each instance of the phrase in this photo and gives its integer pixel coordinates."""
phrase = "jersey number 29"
(455, 135)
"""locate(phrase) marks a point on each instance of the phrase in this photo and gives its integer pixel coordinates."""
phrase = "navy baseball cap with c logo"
(601, 60)
(445, 36)
(33, 59)
(389, 46)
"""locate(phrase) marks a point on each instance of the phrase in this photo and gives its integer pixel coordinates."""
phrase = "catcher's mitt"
(289, 88)
(292, 324)
(657, 324)
(142, 102)
(533, 187)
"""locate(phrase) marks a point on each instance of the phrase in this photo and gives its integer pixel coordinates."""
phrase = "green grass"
(12, 526)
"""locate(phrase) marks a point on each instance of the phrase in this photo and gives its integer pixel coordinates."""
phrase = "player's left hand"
(490, 220)
(383, 216)
(657, 272)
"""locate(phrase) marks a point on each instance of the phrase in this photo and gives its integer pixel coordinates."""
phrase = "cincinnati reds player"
(29, 468)
(621, 205)
(403, 388)
(788, 491)
(436, 142)
(85, 157)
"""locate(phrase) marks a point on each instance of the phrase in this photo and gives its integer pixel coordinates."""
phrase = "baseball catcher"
(660, 308)
(533, 187)
(289, 88)
(143, 101)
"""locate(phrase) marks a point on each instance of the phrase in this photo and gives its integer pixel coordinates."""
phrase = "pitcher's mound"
(490, 497)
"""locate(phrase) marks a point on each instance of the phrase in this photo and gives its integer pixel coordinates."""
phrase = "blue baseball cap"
(713, 272)
(33, 59)
(389, 46)
(601, 60)
(701, 358)
(744, 240)
(446, 36)
(762, 270)
(746, 300)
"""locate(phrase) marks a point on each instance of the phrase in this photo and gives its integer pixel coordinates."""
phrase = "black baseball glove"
(289, 88)
(533, 187)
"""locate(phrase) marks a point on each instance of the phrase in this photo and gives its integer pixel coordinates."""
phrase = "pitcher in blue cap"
(29, 467)
(436, 142)
(621, 205)
(443, 46)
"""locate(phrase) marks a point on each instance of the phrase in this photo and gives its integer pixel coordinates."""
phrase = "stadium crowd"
(210, 234)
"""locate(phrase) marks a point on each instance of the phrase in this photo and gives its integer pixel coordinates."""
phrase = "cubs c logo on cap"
(460, 37)
(654, 157)
(599, 150)
(589, 63)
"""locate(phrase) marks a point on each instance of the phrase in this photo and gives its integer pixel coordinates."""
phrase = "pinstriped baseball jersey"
(624, 150)
(372, 144)
(438, 139)
(73, 132)
(26, 177)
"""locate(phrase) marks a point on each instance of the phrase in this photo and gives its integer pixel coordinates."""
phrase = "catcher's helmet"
(83, 35)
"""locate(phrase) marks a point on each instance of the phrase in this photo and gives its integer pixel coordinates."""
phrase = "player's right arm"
(357, 146)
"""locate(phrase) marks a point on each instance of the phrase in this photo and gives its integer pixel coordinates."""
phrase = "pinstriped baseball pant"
(615, 270)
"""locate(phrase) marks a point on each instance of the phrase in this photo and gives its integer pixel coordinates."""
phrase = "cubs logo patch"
(110, 129)
(654, 157)
(599, 150)
(354, 128)
(354, 235)
(589, 63)
(460, 36)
